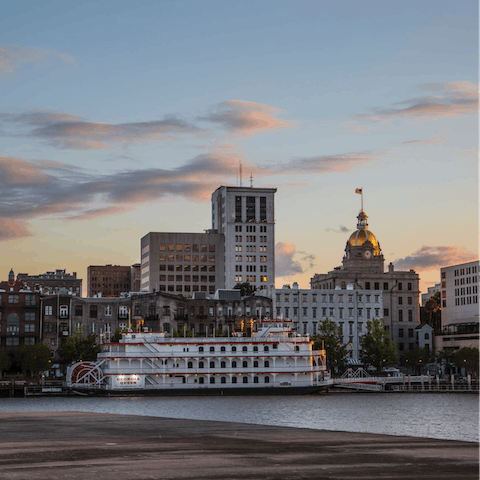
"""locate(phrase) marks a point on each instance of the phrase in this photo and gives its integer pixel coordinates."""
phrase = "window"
(244, 349)
(244, 364)
(400, 300)
(29, 300)
(410, 332)
(367, 285)
(234, 364)
(93, 311)
(245, 379)
(29, 327)
(255, 364)
(400, 332)
(123, 311)
(410, 315)
(400, 286)
(29, 341)
(29, 316)
(78, 310)
(400, 315)
(48, 328)
(14, 299)
(376, 286)
(385, 286)
(385, 312)
(409, 286)
(212, 364)
(409, 300)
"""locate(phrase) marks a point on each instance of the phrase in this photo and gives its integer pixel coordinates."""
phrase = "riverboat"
(273, 359)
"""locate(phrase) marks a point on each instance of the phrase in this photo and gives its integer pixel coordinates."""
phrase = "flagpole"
(362, 199)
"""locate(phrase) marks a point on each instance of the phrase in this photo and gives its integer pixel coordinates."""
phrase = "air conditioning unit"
(65, 333)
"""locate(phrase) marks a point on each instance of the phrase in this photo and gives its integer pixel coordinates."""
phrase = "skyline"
(124, 122)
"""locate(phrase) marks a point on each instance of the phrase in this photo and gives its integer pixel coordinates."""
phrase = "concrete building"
(431, 291)
(19, 315)
(351, 308)
(108, 280)
(246, 217)
(182, 263)
(460, 319)
(363, 266)
(51, 282)
(136, 277)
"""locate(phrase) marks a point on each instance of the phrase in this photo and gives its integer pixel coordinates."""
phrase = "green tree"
(117, 336)
(34, 358)
(331, 334)
(377, 346)
(432, 309)
(415, 358)
(76, 347)
(467, 357)
(5, 363)
(182, 332)
(245, 289)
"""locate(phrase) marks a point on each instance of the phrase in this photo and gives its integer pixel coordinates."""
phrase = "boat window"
(297, 348)
(200, 349)
(212, 379)
(234, 349)
(224, 380)
(244, 349)
(275, 346)
(200, 364)
(201, 380)
(234, 364)
(212, 364)
(255, 349)
(267, 379)
(212, 349)
(267, 363)
(255, 379)
(222, 349)
(223, 365)
(190, 364)
(255, 363)
(245, 379)
(244, 364)
(234, 380)
(265, 348)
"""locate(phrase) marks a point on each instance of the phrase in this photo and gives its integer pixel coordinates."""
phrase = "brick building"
(108, 280)
(51, 282)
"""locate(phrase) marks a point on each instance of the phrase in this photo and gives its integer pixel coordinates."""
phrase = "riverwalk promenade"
(77, 445)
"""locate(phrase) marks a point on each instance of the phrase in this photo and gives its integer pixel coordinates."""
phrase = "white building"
(246, 217)
(431, 291)
(351, 309)
(460, 319)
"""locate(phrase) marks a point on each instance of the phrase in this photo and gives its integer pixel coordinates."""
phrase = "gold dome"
(359, 237)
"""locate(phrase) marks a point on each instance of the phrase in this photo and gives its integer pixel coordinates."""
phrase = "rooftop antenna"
(240, 173)
(251, 180)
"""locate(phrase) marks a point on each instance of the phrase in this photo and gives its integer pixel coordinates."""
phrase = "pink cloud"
(433, 141)
(285, 263)
(13, 229)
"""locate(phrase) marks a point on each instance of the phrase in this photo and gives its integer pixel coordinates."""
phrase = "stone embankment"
(74, 445)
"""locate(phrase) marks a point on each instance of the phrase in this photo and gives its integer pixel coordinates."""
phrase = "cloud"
(10, 229)
(246, 118)
(454, 99)
(359, 128)
(341, 229)
(63, 130)
(12, 55)
(434, 257)
(286, 265)
(432, 141)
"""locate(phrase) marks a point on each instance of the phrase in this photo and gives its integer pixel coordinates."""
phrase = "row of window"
(186, 258)
(368, 286)
(108, 311)
(201, 380)
(464, 281)
(170, 247)
(251, 229)
(186, 288)
(261, 248)
(187, 268)
(401, 332)
(250, 278)
(473, 300)
(13, 329)
(466, 290)
(464, 271)
(186, 278)
(328, 311)
(235, 364)
(29, 316)
(266, 348)
(15, 298)
(328, 298)
(15, 341)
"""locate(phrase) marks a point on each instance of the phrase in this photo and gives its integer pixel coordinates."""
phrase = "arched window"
(267, 379)
(265, 348)
(212, 349)
(234, 349)
(255, 349)
(234, 380)
(200, 364)
(245, 364)
(200, 349)
(297, 348)
(245, 379)
(212, 364)
(234, 364)
(267, 363)
(255, 379)
(223, 380)
(201, 380)
(245, 349)
(212, 379)
(222, 349)
(190, 364)
(223, 364)
(255, 363)
(427, 336)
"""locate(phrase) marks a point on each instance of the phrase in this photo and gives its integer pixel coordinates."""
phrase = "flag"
(359, 190)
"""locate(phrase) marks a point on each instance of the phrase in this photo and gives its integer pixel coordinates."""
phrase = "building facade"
(19, 315)
(182, 263)
(51, 282)
(459, 297)
(431, 291)
(246, 217)
(350, 308)
(108, 280)
(363, 266)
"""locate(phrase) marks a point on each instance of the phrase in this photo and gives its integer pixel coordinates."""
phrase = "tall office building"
(246, 218)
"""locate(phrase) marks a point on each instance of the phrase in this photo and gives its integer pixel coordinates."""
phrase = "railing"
(427, 387)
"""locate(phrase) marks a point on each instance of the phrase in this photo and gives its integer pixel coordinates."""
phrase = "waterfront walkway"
(76, 445)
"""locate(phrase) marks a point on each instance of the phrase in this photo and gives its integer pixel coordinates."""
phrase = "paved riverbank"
(75, 445)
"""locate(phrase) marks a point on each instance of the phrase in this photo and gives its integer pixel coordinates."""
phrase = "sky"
(118, 118)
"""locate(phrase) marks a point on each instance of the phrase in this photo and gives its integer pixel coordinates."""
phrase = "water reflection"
(444, 416)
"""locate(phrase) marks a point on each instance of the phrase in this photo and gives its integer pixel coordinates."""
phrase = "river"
(443, 416)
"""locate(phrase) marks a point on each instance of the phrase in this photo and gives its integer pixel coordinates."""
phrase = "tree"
(377, 346)
(330, 334)
(182, 332)
(34, 358)
(117, 335)
(5, 363)
(77, 348)
(245, 289)
(416, 357)
(467, 357)
(432, 308)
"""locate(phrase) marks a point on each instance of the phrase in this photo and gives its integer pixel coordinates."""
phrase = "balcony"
(151, 316)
